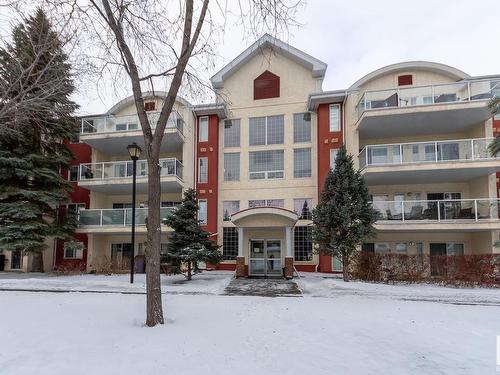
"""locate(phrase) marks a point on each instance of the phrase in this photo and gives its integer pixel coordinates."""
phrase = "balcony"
(111, 134)
(451, 214)
(432, 109)
(115, 220)
(440, 161)
(116, 177)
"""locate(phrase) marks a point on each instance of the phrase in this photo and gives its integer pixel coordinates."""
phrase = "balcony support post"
(438, 203)
(475, 209)
(100, 218)
(473, 157)
(436, 151)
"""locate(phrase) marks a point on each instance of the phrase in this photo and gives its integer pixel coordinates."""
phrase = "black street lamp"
(134, 151)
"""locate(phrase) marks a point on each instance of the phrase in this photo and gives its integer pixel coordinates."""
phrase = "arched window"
(266, 86)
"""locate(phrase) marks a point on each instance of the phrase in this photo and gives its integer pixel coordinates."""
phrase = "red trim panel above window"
(266, 86)
(405, 80)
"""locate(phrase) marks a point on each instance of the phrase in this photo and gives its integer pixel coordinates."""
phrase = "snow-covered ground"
(358, 329)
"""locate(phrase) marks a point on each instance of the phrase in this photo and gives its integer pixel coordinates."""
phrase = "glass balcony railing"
(117, 217)
(426, 152)
(120, 124)
(427, 95)
(123, 169)
(438, 210)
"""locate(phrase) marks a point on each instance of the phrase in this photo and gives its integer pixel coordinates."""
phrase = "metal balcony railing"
(117, 217)
(123, 169)
(121, 124)
(447, 210)
(426, 152)
(463, 91)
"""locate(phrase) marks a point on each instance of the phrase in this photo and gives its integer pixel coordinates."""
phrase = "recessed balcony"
(111, 134)
(116, 177)
(432, 109)
(116, 220)
(443, 215)
(440, 161)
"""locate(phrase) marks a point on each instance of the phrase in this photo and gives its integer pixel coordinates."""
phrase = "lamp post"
(134, 151)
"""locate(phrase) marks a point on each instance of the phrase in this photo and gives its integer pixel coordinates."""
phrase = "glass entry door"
(265, 258)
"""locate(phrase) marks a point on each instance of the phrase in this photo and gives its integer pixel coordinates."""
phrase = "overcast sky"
(356, 37)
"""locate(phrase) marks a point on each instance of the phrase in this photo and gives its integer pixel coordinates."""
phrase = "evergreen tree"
(344, 217)
(189, 243)
(36, 83)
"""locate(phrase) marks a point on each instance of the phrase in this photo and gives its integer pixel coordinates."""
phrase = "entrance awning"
(264, 217)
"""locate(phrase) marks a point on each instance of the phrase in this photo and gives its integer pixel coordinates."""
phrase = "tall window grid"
(229, 243)
(333, 156)
(203, 170)
(202, 211)
(302, 244)
(266, 164)
(266, 130)
(232, 133)
(203, 129)
(73, 172)
(301, 162)
(301, 127)
(334, 117)
(232, 166)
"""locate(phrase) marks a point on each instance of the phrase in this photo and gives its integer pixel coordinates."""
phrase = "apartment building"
(419, 132)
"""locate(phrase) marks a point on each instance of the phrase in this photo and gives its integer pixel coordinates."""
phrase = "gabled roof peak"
(316, 66)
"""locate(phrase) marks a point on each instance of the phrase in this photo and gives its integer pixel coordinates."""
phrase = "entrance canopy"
(259, 217)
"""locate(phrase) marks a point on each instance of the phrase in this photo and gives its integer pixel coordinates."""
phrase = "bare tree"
(169, 43)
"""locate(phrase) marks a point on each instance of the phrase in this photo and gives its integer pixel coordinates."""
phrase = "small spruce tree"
(31, 139)
(189, 243)
(344, 217)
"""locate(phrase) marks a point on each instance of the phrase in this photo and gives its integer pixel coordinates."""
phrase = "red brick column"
(289, 267)
(240, 267)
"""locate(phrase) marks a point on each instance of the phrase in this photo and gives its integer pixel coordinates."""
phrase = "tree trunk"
(189, 271)
(345, 267)
(154, 309)
(37, 262)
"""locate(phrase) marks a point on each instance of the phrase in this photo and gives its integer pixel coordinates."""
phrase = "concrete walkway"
(263, 288)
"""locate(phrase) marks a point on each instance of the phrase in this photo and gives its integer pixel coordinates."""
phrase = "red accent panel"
(208, 190)
(326, 140)
(149, 106)
(266, 86)
(405, 80)
(305, 267)
(226, 267)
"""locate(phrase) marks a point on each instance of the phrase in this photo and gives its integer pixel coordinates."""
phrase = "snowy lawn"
(85, 333)
(213, 282)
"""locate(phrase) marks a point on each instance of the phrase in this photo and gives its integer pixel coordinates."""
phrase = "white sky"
(356, 37)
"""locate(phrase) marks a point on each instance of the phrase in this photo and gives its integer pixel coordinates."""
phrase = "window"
(149, 106)
(266, 202)
(232, 166)
(401, 248)
(74, 208)
(266, 164)
(266, 86)
(302, 162)
(333, 156)
(334, 117)
(203, 170)
(229, 208)
(302, 243)
(302, 208)
(266, 130)
(122, 205)
(73, 172)
(232, 133)
(73, 250)
(405, 80)
(202, 211)
(301, 127)
(203, 129)
(382, 247)
(454, 248)
(170, 204)
(229, 243)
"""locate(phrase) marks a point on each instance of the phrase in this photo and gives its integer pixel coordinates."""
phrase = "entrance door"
(16, 259)
(437, 253)
(265, 258)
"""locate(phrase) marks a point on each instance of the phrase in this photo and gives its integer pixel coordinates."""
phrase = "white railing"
(117, 216)
(123, 169)
(471, 90)
(426, 152)
(446, 210)
(130, 123)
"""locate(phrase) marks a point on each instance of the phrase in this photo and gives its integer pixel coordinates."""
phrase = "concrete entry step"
(263, 288)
